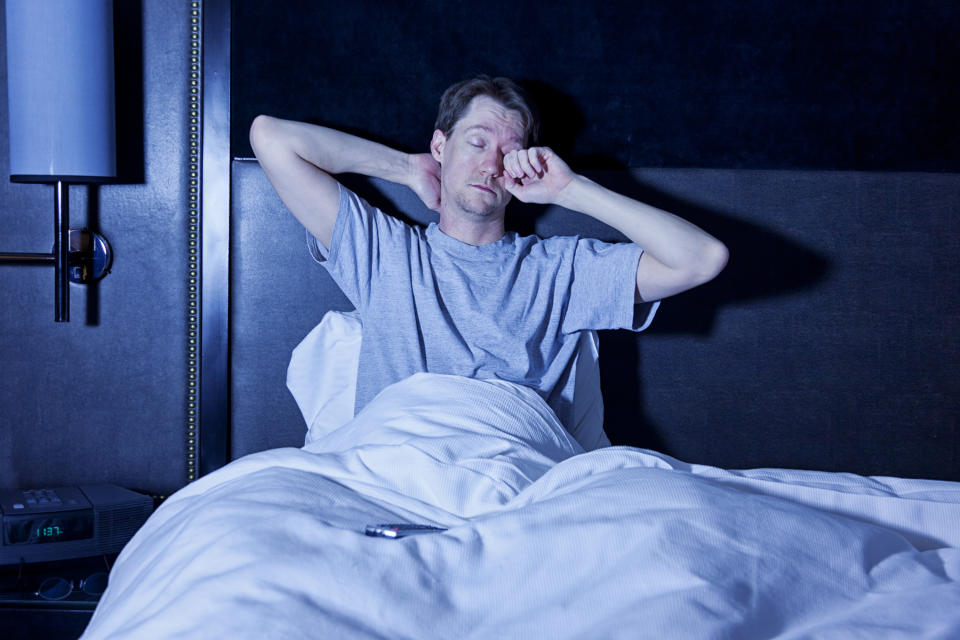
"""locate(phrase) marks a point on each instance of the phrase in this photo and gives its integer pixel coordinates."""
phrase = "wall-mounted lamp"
(62, 122)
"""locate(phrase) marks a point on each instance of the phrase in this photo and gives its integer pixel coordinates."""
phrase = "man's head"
(480, 121)
(456, 99)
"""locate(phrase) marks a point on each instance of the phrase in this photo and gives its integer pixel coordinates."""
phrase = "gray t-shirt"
(511, 310)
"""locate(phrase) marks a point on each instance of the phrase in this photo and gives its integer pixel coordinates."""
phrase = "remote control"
(400, 530)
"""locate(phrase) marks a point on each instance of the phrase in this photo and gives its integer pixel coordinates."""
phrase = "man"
(463, 296)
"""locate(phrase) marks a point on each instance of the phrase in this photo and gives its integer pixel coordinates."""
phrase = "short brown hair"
(457, 98)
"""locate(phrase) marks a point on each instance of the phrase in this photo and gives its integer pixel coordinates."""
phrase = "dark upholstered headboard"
(830, 341)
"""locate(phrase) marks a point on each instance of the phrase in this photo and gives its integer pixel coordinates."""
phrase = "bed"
(542, 539)
(541, 531)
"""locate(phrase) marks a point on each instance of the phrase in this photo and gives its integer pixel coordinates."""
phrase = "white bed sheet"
(544, 540)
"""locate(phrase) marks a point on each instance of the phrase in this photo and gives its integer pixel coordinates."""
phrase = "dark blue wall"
(734, 83)
(830, 341)
(103, 398)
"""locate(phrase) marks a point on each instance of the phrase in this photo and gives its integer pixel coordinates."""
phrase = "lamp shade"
(60, 90)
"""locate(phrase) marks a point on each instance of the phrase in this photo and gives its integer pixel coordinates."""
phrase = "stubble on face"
(477, 207)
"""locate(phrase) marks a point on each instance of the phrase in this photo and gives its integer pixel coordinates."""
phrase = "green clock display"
(58, 527)
(50, 532)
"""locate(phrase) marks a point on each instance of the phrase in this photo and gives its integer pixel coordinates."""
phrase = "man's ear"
(436, 145)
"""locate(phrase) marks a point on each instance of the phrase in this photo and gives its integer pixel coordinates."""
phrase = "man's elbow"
(656, 280)
(261, 132)
(719, 257)
(712, 261)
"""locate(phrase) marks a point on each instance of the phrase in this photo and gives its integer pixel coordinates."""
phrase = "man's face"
(471, 158)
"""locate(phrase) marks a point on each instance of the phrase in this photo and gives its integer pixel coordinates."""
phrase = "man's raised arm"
(677, 255)
(300, 160)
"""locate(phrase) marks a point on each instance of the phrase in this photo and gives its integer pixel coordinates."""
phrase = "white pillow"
(586, 425)
(587, 402)
(322, 376)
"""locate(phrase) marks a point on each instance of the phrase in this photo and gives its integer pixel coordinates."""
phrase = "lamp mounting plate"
(90, 256)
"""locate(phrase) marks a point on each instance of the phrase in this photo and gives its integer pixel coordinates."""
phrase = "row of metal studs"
(193, 260)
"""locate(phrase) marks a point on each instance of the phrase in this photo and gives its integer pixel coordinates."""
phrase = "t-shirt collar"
(438, 239)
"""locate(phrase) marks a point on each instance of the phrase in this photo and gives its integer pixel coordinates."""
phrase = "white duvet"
(544, 540)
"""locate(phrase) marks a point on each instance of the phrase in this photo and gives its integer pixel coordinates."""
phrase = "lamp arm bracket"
(89, 257)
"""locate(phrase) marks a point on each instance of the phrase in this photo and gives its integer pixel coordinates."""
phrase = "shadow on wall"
(128, 79)
(763, 264)
(129, 114)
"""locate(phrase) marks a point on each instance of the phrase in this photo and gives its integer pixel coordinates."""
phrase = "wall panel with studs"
(193, 235)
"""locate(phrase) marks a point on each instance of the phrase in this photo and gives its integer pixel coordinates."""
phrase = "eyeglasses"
(59, 588)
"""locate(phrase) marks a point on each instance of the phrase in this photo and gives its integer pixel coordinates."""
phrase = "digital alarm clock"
(45, 525)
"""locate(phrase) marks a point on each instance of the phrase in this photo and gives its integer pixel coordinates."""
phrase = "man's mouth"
(483, 187)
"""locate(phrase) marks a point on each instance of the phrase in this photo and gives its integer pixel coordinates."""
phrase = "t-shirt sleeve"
(602, 288)
(361, 235)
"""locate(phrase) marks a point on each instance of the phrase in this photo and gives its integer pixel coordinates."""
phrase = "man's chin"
(481, 207)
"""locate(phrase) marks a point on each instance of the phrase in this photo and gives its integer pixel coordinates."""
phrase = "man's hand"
(424, 179)
(535, 175)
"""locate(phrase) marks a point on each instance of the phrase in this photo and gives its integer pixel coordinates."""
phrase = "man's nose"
(492, 163)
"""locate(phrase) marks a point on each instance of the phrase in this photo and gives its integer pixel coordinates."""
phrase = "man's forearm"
(337, 152)
(678, 245)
